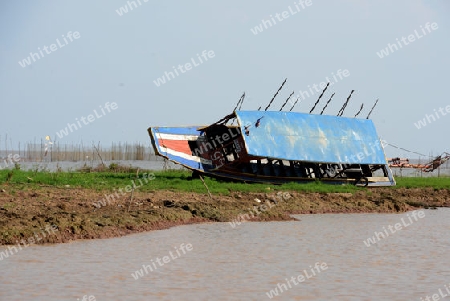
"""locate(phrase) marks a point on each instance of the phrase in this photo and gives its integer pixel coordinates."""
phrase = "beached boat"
(279, 147)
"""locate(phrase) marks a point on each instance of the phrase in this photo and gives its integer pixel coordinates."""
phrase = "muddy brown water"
(245, 262)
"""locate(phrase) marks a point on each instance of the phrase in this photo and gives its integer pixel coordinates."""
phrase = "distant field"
(116, 177)
(442, 182)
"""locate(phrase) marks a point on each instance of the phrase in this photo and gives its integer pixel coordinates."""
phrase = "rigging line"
(319, 98)
(294, 104)
(368, 115)
(287, 100)
(345, 104)
(327, 104)
(360, 109)
(273, 98)
(409, 151)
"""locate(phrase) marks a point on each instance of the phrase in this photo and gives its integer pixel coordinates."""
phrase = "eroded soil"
(27, 212)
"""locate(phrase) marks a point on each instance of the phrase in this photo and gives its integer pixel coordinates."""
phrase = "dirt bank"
(26, 212)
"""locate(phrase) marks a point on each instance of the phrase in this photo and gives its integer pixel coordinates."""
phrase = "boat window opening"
(230, 157)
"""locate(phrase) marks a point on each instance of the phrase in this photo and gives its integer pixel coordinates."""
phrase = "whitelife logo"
(90, 118)
(281, 287)
(188, 66)
(430, 118)
(52, 48)
(31, 240)
(88, 298)
(124, 9)
(257, 210)
(10, 160)
(436, 296)
(266, 24)
(108, 199)
(391, 48)
(319, 87)
(161, 261)
(398, 226)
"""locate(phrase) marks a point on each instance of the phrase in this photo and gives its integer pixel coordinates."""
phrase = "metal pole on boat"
(275, 95)
(360, 109)
(341, 111)
(368, 115)
(240, 106)
(327, 104)
(319, 98)
(287, 100)
(294, 104)
(241, 100)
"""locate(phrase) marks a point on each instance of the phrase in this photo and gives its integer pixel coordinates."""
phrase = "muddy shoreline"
(76, 213)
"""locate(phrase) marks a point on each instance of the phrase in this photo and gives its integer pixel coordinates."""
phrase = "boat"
(278, 147)
(430, 166)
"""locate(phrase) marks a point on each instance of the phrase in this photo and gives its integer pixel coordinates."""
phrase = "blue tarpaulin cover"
(313, 138)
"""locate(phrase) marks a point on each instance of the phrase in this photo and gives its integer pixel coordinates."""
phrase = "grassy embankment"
(180, 180)
(30, 200)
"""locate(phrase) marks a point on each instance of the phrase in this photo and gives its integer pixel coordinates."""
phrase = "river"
(316, 257)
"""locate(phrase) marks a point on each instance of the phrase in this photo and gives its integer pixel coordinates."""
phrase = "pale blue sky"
(117, 58)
